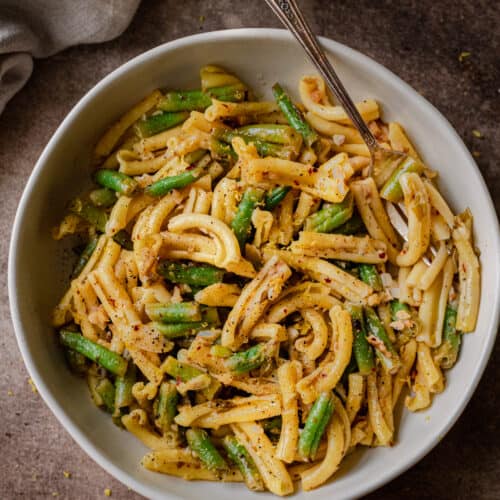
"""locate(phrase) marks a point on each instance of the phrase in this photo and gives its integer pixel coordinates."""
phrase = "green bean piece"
(200, 443)
(228, 93)
(117, 181)
(185, 100)
(194, 156)
(264, 148)
(157, 123)
(315, 426)
(124, 240)
(106, 390)
(123, 387)
(84, 257)
(369, 274)
(174, 313)
(219, 351)
(447, 353)
(109, 360)
(103, 197)
(223, 151)
(179, 370)
(93, 215)
(331, 216)
(294, 115)
(167, 184)
(245, 361)
(391, 190)
(177, 330)
(354, 225)
(77, 362)
(165, 406)
(269, 132)
(397, 306)
(384, 349)
(362, 350)
(193, 275)
(210, 315)
(238, 454)
(275, 197)
(242, 222)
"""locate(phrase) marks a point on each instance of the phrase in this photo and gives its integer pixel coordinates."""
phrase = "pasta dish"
(249, 300)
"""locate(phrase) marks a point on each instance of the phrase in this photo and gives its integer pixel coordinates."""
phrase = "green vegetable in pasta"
(167, 184)
(384, 349)
(362, 350)
(200, 275)
(242, 222)
(245, 361)
(447, 353)
(294, 115)
(315, 426)
(391, 190)
(93, 215)
(109, 360)
(200, 443)
(84, 257)
(239, 455)
(123, 387)
(174, 313)
(103, 197)
(157, 123)
(106, 391)
(165, 406)
(117, 181)
(369, 274)
(275, 197)
(331, 216)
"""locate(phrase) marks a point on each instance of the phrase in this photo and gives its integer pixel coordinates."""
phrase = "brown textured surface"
(421, 42)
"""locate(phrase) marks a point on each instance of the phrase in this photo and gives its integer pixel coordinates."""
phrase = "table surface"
(419, 41)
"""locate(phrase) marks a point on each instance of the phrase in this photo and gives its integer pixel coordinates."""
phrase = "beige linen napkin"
(40, 28)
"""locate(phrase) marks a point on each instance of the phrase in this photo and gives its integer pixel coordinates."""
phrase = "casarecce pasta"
(244, 303)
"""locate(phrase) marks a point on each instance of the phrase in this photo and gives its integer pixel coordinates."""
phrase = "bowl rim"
(239, 33)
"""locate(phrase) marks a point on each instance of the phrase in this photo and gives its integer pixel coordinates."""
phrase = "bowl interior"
(39, 266)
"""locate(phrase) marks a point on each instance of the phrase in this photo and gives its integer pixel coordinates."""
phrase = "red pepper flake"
(296, 183)
(328, 280)
(381, 255)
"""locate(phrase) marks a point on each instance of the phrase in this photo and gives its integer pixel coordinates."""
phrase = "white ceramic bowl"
(261, 56)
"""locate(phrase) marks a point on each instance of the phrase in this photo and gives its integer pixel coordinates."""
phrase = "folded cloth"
(40, 28)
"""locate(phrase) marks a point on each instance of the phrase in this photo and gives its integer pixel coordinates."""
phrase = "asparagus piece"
(242, 222)
(123, 388)
(294, 115)
(331, 216)
(245, 361)
(397, 306)
(275, 197)
(369, 274)
(84, 257)
(109, 360)
(93, 215)
(174, 313)
(201, 444)
(272, 425)
(117, 181)
(241, 458)
(165, 406)
(194, 275)
(157, 123)
(106, 390)
(179, 370)
(362, 350)
(103, 197)
(384, 349)
(195, 156)
(167, 184)
(391, 190)
(315, 425)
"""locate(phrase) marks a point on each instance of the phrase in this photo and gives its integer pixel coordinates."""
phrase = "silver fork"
(291, 16)
(381, 159)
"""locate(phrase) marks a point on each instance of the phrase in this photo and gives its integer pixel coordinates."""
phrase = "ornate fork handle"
(291, 16)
